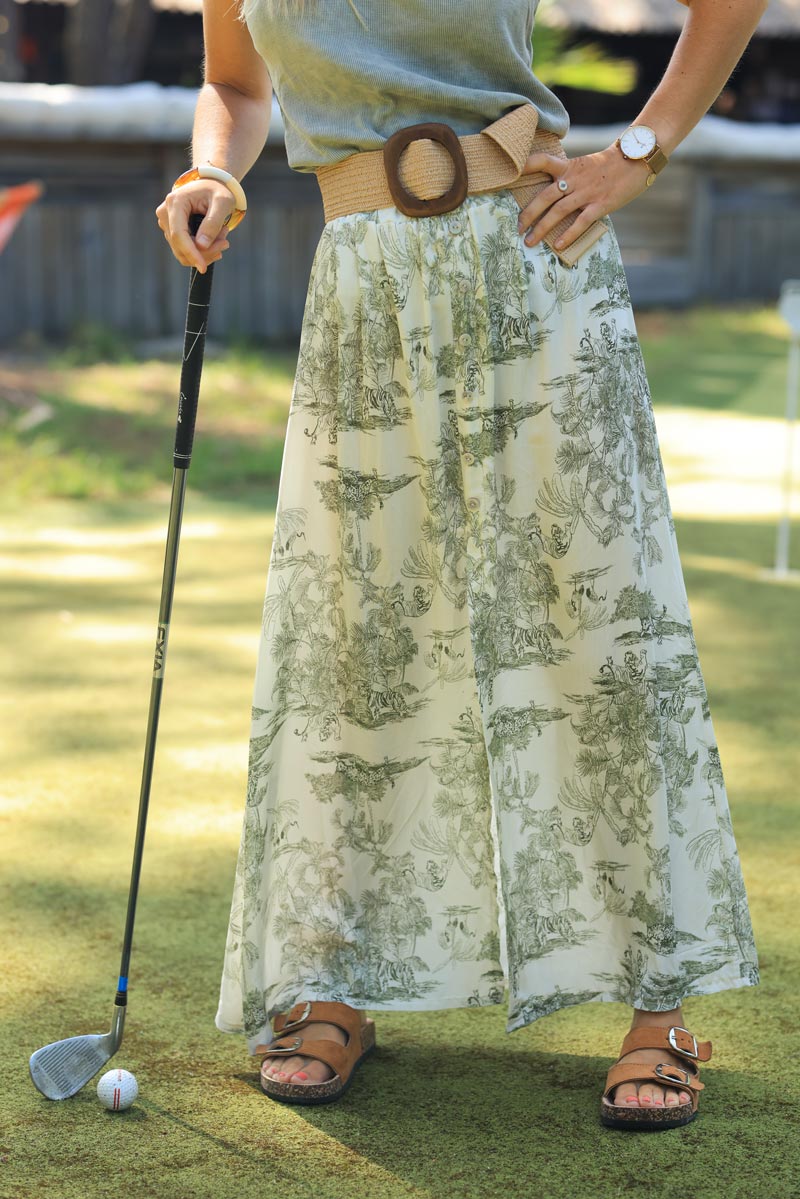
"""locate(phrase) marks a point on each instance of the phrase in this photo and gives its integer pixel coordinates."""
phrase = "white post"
(784, 524)
(789, 308)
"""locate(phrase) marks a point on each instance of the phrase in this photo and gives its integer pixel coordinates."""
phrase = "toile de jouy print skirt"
(482, 767)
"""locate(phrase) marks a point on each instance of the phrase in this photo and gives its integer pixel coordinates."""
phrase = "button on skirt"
(482, 766)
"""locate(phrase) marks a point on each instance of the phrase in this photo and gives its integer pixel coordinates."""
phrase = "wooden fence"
(91, 250)
(720, 223)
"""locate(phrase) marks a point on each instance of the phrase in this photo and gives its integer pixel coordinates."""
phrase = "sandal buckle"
(662, 1069)
(676, 1028)
(298, 1041)
(294, 1023)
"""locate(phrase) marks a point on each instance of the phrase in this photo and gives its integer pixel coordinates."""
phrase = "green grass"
(561, 58)
(450, 1107)
(105, 429)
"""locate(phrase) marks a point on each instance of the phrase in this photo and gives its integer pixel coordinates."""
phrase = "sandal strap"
(661, 1073)
(673, 1037)
(325, 1010)
(338, 1057)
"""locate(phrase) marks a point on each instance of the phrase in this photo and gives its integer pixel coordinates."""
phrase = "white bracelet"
(207, 170)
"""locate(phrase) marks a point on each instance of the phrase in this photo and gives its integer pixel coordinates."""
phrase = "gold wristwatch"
(639, 142)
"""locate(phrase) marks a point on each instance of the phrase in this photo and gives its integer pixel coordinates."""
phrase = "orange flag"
(13, 202)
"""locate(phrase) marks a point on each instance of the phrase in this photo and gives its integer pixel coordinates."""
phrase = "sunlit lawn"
(450, 1106)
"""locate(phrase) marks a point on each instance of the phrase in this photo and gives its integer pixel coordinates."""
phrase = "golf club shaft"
(191, 368)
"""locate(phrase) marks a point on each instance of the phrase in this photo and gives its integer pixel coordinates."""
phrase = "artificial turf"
(450, 1106)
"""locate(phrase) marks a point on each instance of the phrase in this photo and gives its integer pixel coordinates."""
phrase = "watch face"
(638, 141)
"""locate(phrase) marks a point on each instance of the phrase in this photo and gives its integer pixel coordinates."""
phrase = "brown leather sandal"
(654, 1036)
(344, 1059)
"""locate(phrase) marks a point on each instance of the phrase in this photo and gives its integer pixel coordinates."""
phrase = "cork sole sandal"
(678, 1040)
(344, 1059)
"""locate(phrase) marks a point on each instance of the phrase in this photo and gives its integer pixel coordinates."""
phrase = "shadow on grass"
(85, 451)
(732, 358)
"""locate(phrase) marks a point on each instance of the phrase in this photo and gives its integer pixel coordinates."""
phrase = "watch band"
(656, 159)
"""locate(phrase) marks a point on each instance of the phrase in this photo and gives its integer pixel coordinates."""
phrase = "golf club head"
(60, 1069)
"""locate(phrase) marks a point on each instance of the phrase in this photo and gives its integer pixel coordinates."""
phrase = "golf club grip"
(193, 348)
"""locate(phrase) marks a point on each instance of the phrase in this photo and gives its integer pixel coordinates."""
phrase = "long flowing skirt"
(481, 753)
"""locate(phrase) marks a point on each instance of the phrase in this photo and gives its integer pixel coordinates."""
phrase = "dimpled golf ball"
(117, 1090)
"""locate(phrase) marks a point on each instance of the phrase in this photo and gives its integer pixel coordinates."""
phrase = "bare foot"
(298, 1069)
(650, 1094)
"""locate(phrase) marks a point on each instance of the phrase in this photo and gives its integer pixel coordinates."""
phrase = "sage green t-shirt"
(343, 87)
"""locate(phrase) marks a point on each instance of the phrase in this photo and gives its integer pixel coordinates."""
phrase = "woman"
(481, 748)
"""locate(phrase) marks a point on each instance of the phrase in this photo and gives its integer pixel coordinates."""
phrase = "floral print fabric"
(482, 759)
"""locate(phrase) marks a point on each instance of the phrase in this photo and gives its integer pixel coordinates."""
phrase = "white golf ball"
(117, 1090)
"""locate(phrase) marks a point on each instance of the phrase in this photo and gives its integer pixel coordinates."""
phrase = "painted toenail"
(631, 1099)
(301, 1074)
(645, 1099)
(658, 1102)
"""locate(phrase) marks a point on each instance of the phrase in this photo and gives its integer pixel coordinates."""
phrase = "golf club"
(60, 1069)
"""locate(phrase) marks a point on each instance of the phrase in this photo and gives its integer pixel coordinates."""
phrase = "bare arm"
(234, 106)
(231, 123)
(714, 36)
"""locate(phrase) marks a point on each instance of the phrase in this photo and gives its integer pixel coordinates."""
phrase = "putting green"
(449, 1107)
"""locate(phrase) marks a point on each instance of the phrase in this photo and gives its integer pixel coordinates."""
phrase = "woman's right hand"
(215, 201)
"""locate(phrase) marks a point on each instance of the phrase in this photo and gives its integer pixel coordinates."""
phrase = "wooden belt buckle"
(394, 146)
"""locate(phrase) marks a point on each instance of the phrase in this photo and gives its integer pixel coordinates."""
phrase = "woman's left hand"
(599, 184)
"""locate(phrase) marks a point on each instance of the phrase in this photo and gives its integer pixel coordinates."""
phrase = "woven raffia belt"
(422, 183)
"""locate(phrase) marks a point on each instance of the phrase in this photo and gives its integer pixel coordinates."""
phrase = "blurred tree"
(586, 65)
(11, 68)
(105, 41)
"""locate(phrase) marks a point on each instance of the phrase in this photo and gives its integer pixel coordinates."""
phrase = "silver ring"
(563, 185)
